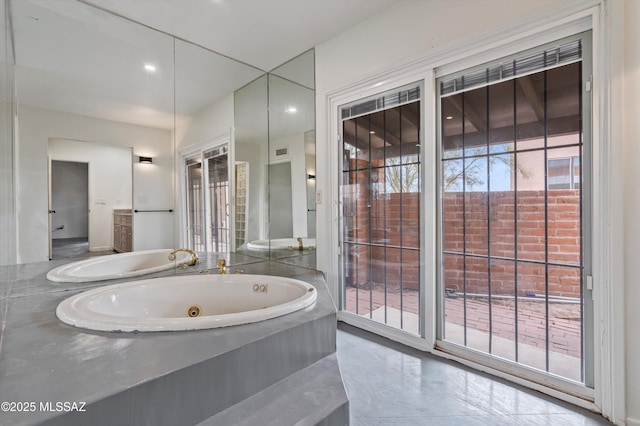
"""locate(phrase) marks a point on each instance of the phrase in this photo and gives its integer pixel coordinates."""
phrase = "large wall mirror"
(122, 128)
(275, 162)
(94, 93)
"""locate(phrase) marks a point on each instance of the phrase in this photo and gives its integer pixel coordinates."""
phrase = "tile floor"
(391, 384)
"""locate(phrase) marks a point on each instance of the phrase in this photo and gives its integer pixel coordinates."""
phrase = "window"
(563, 173)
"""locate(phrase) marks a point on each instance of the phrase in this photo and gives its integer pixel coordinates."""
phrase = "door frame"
(198, 149)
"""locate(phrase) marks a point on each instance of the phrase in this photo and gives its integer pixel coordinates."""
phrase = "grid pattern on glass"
(195, 207)
(380, 195)
(242, 172)
(218, 186)
(512, 221)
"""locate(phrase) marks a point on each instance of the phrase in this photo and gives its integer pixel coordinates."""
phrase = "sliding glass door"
(207, 197)
(514, 208)
(195, 204)
(380, 196)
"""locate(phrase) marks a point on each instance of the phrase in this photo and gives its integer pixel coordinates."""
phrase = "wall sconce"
(311, 177)
(145, 160)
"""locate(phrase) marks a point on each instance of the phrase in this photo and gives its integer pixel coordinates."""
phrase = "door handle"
(52, 211)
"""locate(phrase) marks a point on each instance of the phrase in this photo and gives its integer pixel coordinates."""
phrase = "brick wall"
(395, 222)
(497, 228)
(500, 228)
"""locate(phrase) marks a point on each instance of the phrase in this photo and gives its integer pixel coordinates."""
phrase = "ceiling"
(261, 33)
(80, 59)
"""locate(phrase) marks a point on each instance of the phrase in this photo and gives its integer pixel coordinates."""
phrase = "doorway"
(207, 199)
(280, 201)
(69, 209)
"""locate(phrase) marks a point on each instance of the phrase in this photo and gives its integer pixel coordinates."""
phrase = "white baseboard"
(632, 422)
(100, 248)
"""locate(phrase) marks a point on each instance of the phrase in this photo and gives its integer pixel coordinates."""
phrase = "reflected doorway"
(208, 186)
(68, 209)
(280, 201)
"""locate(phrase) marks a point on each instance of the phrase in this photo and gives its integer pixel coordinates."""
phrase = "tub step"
(314, 395)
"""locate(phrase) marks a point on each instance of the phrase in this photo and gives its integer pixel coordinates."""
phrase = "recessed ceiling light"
(150, 67)
(448, 117)
(291, 110)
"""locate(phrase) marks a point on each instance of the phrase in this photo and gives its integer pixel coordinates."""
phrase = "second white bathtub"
(123, 265)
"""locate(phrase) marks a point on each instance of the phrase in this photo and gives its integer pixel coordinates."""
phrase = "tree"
(402, 174)
(474, 171)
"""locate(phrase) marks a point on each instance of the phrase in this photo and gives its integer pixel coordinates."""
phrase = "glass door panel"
(512, 235)
(195, 205)
(380, 197)
(219, 237)
(207, 196)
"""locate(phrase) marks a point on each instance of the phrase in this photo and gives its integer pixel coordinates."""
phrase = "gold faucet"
(222, 266)
(300, 246)
(194, 257)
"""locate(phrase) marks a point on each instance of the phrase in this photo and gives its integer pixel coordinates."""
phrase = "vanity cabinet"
(122, 230)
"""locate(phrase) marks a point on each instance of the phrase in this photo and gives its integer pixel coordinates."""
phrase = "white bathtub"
(281, 243)
(166, 304)
(121, 265)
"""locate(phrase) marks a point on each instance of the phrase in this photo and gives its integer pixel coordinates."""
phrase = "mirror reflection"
(292, 160)
(90, 87)
(205, 83)
(251, 158)
(129, 139)
(275, 153)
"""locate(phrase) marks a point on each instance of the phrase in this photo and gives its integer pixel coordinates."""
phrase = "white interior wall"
(211, 122)
(430, 28)
(153, 184)
(632, 205)
(106, 193)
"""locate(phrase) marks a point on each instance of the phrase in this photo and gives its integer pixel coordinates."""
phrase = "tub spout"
(194, 256)
(222, 266)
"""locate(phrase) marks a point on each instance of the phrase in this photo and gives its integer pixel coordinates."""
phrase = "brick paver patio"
(564, 323)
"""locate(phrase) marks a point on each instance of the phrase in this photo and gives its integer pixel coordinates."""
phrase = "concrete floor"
(391, 384)
(72, 248)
